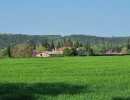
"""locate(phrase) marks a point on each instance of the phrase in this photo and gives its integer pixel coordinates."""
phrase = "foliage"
(66, 52)
(69, 52)
(76, 45)
(9, 51)
(41, 48)
(100, 45)
(21, 50)
(96, 49)
(90, 52)
(58, 44)
(128, 52)
(3, 53)
(128, 44)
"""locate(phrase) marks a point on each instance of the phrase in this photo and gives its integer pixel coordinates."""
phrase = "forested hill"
(7, 39)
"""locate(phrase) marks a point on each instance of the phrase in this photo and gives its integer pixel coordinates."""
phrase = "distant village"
(55, 52)
(64, 48)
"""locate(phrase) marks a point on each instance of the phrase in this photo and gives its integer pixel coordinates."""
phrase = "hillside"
(6, 39)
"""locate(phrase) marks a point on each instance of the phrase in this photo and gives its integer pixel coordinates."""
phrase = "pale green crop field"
(65, 78)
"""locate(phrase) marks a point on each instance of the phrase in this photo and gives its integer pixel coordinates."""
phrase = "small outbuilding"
(43, 54)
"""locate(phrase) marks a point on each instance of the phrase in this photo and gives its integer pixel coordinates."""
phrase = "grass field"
(68, 78)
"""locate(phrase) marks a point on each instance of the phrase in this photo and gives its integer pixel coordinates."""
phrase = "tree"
(70, 42)
(58, 44)
(3, 53)
(64, 40)
(73, 52)
(22, 50)
(128, 45)
(69, 52)
(45, 43)
(80, 45)
(32, 44)
(90, 52)
(107, 45)
(41, 48)
(76, 44)
(87, 46)
(51, 46)
(66, 52)
(9, 51)
(96, 49)
(103, 49)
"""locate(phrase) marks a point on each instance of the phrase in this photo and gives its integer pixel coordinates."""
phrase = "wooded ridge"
(7, 39)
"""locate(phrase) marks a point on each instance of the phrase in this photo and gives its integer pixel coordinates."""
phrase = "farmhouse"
(51, 53)
(43, 54)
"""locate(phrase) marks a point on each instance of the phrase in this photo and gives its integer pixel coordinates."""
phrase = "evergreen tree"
(87, 46)
(107, 45)
(128, 45)
(9, 51)
(59, 44)
(81, 45)
(77, 44)
(64, 40)
(90, 52)
(52, 45)
(32, 44)
(70, 42)
(45, 43)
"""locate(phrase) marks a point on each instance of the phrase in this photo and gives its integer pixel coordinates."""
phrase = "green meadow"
(65, 78)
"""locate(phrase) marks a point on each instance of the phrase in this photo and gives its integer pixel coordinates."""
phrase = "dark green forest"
(7, 39)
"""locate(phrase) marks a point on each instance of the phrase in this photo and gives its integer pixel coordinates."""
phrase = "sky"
(105, 18)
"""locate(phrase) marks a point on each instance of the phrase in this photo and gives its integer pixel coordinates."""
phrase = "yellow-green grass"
(65, 78)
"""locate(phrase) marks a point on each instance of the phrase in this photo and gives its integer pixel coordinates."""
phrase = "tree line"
(7, 39)
(48, 43)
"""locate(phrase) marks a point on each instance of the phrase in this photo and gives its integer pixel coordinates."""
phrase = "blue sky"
(66, 17)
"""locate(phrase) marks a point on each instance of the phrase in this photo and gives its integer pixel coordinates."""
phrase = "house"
(80, 52)
(52, 53)
(60, 50)
(43, 54)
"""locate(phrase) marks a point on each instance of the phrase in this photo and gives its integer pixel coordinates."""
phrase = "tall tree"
(87, 46)
(90, 52)
(96, 49)
(52, 45)
(9, 51)
(45, 43)
(32, 44)
(128, 45)
(77, 44)
(41, 48)
(107, 45)
(70, 42)
(64, 40)
(58, 44)
(81, 45)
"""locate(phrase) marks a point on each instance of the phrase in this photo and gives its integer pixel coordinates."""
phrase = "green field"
(67, 78)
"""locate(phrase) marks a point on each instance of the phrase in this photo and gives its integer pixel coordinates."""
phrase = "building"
(80, 52)
(43, 54)
(52, 53)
